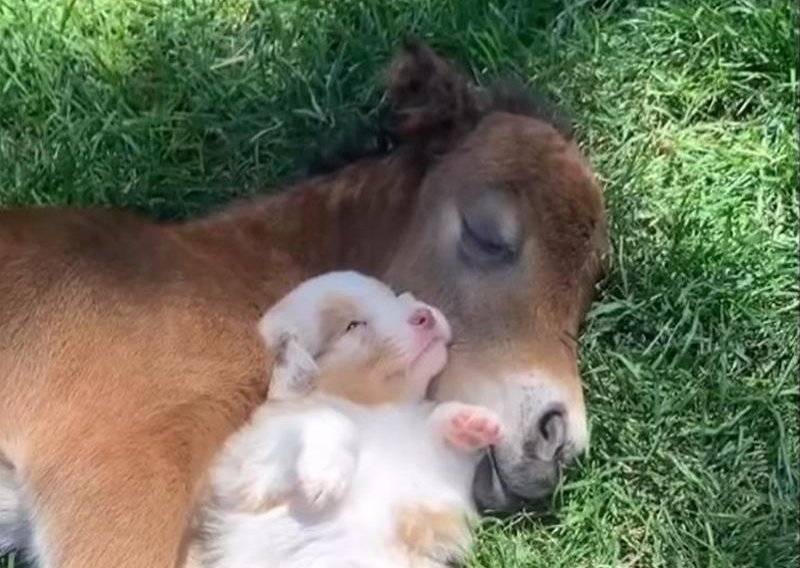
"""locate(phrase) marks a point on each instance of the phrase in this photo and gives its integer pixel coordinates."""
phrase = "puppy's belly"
(409, 496)
(279, 538)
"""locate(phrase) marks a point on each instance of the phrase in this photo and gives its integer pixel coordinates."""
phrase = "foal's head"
(507, 237)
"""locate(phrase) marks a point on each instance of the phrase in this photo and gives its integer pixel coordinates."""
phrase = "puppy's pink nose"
(422, 317)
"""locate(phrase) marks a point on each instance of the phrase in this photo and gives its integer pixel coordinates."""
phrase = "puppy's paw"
(324, 478)
(468, 428)
(473, 429)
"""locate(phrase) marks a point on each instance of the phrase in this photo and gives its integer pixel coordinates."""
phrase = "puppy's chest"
(403, 464)
(411, 494)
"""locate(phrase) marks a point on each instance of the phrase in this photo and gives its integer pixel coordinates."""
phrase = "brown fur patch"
(371, 381)
(369, 385)
(335, 315)
(441, 534)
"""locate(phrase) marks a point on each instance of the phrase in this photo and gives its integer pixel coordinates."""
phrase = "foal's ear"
(431, 100)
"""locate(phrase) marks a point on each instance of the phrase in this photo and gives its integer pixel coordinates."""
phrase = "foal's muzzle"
(509, 479)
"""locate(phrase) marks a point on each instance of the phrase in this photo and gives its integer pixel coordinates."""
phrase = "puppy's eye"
(353, 325)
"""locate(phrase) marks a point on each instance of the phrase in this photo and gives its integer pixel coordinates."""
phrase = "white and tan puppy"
(360, 472)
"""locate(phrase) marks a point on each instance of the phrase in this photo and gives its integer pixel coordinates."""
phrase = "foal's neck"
(353, 219)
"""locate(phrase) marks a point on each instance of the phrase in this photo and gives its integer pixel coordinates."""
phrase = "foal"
(129, 352)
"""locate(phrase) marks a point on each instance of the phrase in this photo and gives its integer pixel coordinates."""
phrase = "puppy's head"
(370, 345)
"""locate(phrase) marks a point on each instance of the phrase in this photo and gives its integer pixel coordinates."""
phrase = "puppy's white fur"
(322, 481)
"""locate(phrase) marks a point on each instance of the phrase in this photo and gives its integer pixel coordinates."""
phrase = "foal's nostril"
(552, 425)
(550, 438)
(422, 317)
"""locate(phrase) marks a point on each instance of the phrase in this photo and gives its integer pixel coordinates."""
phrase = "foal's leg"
(102, 505)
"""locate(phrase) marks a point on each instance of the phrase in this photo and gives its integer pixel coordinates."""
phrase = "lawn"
(686, 108)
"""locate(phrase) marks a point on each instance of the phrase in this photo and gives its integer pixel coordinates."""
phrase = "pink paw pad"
(471, 429)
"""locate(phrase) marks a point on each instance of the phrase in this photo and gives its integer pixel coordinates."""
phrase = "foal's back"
(116, 339)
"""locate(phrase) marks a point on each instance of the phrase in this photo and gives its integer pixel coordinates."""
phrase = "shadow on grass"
(172, 108)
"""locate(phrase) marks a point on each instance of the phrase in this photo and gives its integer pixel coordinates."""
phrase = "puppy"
(360, 472)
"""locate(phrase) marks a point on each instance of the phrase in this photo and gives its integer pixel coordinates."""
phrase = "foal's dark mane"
(375, 135)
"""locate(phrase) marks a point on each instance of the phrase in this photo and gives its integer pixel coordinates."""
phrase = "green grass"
(686, 109)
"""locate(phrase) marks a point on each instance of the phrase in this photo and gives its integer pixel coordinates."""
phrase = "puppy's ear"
(294, 371)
